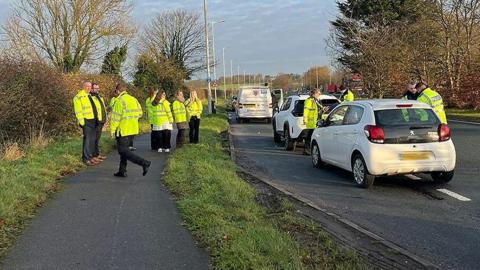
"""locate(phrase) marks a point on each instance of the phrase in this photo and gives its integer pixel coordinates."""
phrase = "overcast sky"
(262, 36)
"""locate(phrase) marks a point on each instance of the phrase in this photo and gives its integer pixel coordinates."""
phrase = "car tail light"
(443, 132)
(240, 105)
(375, 134)
(270, 105)
(404, 105)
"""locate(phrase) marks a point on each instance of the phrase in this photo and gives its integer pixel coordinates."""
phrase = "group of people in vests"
(91, 114)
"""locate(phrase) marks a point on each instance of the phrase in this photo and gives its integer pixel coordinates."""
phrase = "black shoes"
(146, 167)
(120, 174)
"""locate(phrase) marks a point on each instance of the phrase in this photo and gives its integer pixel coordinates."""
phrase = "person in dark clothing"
(411, 93)
(162, 121)
(194, 112)
(100, 111)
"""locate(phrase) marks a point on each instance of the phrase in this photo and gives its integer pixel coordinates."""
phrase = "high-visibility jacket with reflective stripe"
(194, 108)
(162, 113)
(149, 108)
(98, 101)
(112, 102)
(83, 107)
(433, 98)
(348, 96)
(179, 112)
(310, 113)
(125, 115)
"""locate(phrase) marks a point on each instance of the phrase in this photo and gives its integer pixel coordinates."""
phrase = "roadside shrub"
(12, 152)
(32, 96)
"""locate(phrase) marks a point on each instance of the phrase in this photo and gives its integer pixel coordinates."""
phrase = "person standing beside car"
(194, 112)
(432, 98)
(86, 120)
(310, 115)
(162, 122)
(180, 116)
(411, 93)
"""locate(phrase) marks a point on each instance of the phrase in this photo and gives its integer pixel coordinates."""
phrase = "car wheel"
(276, 136)
(289, 143)
(442, 177)
(360, 172)
(316, 156)
(241, 120)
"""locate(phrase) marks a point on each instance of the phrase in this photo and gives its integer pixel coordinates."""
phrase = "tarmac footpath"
(99, 221)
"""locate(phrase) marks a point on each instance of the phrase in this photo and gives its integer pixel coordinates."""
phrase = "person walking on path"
(432, 98)
(162, 121)
(100, 108)
(154, 144)
(194, 112)
(124, 127)
(180, 116)
(84, 112)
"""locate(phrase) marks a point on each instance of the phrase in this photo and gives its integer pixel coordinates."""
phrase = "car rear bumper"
(385, 159)
(254, 114)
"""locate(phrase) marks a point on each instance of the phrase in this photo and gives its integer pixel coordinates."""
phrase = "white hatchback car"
(385, 137)
(288, 124)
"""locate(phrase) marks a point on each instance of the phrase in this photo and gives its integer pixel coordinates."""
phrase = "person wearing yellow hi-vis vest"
(310, 115)
(101, 117)
(124, 127)
(194, 112)
(86, 120)
(162, 122)
(180, 117)
(148, 105)
(347, 96)
(432, 98)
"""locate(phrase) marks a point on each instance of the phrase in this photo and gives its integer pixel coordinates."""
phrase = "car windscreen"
(408, 125)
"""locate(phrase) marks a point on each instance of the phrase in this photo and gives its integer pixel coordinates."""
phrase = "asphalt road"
(102, 222)
(410, 213)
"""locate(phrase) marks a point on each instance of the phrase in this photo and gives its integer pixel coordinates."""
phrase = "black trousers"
(126, 154)
(308, 138)
(154, 139)
(181, 137)
(194, 125)
(89, 135)
(164, 138)
(98, 136)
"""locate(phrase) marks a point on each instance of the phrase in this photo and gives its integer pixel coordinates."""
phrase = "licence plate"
(415, 156)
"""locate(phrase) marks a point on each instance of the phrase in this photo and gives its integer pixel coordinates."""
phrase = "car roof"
(383, 104)
(304, 97)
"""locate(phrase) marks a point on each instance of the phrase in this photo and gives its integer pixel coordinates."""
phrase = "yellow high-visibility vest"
(162, 113)
(194, 108)
(149, 108)
(125, 115)
(348, 96)
(433, 98)
(112, 102)
(310, 113)
(179, 112)
(98, 101)
(83, 107)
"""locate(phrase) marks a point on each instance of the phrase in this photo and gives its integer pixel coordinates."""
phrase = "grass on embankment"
(25, 184)
(221, 210)
(462, 114)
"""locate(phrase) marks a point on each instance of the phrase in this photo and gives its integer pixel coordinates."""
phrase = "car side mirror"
(321, 123)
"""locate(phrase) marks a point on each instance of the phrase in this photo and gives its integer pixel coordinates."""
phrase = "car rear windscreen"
(254, 93)
(412, 125)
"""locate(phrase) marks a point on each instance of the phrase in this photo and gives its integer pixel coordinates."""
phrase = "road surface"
(442, 228)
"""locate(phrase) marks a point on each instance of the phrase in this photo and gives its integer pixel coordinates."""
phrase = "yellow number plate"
(415, 156)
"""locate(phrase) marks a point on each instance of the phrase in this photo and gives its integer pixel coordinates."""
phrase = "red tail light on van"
(443, 132)
(374, 134)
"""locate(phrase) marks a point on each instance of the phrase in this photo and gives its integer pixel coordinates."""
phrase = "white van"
(254, 102)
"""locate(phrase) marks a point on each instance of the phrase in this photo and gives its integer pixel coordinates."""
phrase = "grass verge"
(466, 115)
(25, 184)
(224, 213)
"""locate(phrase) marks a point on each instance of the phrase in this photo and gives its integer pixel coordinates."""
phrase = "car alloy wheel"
(316, 156)
(359, 171)
(288, 141)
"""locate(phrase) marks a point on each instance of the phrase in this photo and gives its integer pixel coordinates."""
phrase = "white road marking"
(454, 195)
(413, 177)
(464, 122)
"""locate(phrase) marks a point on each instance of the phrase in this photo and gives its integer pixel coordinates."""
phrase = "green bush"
(32, 96)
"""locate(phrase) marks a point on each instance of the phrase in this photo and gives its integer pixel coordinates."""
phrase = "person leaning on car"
(310, 115)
